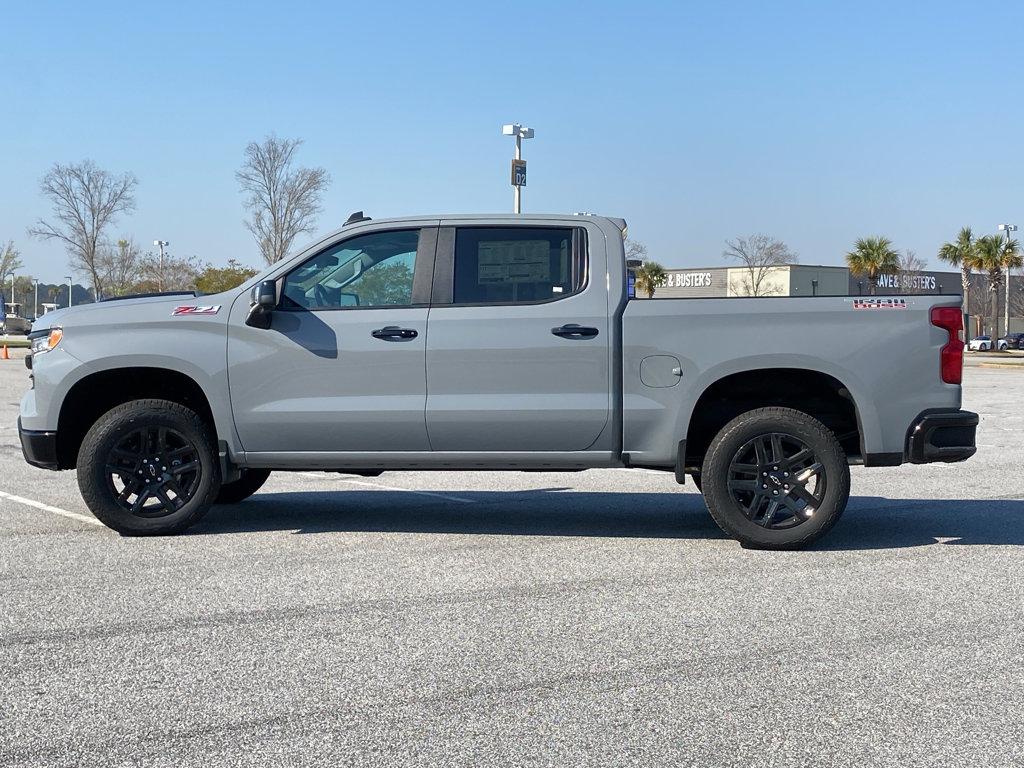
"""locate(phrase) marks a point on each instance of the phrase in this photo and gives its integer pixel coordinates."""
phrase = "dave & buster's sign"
(689, 279)
(908, 282)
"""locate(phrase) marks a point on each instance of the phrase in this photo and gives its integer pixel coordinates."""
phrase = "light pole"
(518, 164)
(160, 278)
(1007, 228)
(35, 299)
(68, 279)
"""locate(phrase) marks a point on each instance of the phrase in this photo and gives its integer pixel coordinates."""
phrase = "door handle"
(394, 332)
(575, 331)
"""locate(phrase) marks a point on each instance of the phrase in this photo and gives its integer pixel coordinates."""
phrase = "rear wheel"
(775, 478)
(149, 467)
(248, 483)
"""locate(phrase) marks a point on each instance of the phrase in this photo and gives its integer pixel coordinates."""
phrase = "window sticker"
(514, 261)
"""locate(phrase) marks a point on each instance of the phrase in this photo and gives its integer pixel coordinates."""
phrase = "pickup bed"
(497, 343)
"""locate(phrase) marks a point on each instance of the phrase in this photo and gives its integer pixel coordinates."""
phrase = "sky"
(814, 122)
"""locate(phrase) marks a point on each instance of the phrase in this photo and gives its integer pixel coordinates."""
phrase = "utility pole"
(1007, 228)
(518, 164)
(68, 278)
(160, 279)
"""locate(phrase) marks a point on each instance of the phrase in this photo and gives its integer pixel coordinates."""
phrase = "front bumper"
(942, 435)
(39, 447)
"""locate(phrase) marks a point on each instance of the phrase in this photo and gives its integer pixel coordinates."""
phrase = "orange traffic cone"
(4, 355)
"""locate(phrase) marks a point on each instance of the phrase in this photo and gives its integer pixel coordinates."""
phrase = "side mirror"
(264, 300)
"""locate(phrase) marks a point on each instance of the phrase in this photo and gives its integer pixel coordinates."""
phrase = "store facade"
(827, 280)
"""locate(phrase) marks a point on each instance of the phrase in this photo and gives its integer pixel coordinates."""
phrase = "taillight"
(951, 356)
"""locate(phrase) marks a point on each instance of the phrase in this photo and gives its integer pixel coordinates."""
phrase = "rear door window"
(516, 265)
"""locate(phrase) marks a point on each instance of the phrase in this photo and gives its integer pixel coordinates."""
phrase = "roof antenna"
(356, 217)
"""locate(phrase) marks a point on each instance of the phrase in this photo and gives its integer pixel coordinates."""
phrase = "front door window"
(374, 270)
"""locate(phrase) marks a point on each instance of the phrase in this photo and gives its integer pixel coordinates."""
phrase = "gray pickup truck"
(490, 343)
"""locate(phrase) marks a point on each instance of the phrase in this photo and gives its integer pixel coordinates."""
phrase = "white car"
(984, 344)
(12, 321)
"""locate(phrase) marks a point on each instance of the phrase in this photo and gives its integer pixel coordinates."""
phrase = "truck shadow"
(869, 523)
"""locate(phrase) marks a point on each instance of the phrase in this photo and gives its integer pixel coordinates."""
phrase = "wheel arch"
(836, 402)
(99, 391)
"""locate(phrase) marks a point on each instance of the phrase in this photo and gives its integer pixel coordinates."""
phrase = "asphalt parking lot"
(477, 618)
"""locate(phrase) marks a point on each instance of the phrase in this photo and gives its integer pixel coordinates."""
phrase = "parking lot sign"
(518, 173)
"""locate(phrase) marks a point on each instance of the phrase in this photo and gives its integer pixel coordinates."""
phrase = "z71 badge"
(191, 309)
(879, 304)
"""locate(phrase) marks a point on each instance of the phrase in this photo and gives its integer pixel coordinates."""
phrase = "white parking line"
(50, 508)
(382, 487)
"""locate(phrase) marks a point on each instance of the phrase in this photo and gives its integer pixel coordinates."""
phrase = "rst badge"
(191, 309)
(879, 304)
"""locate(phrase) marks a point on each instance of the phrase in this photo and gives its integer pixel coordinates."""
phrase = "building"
(826, 280)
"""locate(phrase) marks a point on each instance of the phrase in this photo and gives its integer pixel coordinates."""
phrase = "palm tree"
(649, 276)
(992, 255)
(873, 257)
(958, 254)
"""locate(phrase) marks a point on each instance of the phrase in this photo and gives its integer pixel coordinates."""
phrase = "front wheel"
(149, 467)
(775, 478)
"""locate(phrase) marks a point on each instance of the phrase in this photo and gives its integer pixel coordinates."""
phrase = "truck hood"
(113, 307)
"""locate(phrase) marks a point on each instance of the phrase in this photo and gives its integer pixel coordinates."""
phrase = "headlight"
(46, 341)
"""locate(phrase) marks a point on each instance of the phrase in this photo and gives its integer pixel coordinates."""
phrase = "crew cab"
(490, 343)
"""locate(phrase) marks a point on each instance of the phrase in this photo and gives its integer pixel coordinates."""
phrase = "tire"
(156, 451)
(248, 484)
(785, 452)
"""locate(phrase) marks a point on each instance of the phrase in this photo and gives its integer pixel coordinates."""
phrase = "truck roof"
(511, 218)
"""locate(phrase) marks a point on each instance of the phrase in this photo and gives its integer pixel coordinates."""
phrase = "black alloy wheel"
(777, 481)
(775, 478)
(153, 471)
(149, 467)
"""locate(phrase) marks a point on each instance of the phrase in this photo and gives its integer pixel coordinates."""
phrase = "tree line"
(86, 202)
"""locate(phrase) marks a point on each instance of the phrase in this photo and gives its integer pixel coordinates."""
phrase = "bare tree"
(760, 255)
(635, 250)
(118, 266)
(1017, 295)
(284, 200)
(976, 302)
(911, 267)
(85, 200)
(172, 273)
(10, 260)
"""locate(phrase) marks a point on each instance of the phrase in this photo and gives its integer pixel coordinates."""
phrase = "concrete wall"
(832, 281)
(774, 281)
